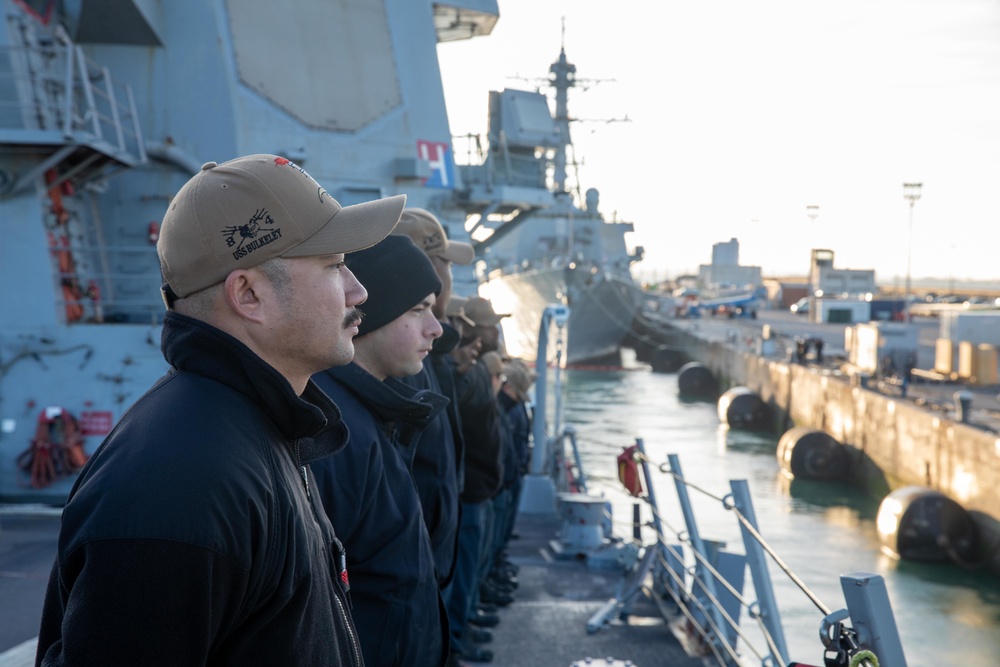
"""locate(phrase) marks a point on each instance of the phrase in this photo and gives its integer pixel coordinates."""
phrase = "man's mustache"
(353, 317)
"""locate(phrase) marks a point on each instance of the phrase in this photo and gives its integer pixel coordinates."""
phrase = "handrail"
(712, 617)
(58, 90)
(538, 494)
(694, 590)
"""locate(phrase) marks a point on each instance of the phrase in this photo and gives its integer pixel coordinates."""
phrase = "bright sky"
(744, 113)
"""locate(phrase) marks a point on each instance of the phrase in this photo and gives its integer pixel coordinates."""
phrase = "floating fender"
(666, 360)
(920, 524)
(810, 454)
(696, 381)
(741, 408)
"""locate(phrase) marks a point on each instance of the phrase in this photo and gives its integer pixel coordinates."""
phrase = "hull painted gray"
(602, 308)
(102, 122)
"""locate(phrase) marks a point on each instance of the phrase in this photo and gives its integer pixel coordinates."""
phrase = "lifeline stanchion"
(758, 570)
(707, 580)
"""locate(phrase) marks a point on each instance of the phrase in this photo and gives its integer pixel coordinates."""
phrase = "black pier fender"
(810, 454)
(742, 408)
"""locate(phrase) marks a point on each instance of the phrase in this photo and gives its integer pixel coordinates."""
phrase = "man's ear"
(245, 292)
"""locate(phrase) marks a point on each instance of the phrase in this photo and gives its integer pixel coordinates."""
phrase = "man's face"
(398, 348)
(320, 316)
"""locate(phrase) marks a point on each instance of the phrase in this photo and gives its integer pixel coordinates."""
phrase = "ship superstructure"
(107, 108)
(548, 244)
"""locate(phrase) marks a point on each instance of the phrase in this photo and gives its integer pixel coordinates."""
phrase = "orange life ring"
(628, 471)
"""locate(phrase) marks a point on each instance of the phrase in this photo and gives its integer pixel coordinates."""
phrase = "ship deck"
(546, 624)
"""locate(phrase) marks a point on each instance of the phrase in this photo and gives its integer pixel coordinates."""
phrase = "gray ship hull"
(103, 119)
(602, 308)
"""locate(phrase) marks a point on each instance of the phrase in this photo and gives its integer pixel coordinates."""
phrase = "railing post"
(557, 426)
(88, 92)
(758, 570)
(651, 496)
(701, 572)
(70, 109)
(538, 492)
(872, 618)
(581, 479)
(113, 103)
(136, 130)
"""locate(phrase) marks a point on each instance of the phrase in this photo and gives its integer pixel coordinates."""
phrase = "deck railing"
(52, 95)
(696, 583)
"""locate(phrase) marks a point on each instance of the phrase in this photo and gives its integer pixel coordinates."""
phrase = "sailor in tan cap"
(196, 518)
(428, 234)
(439, 458)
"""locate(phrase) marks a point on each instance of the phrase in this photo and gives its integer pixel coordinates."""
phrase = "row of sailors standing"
(307, 485)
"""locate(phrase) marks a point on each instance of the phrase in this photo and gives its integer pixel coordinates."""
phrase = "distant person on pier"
(367, 488)
(193, 536)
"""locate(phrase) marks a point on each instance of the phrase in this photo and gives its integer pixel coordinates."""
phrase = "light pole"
(812, 212)
(911, 192)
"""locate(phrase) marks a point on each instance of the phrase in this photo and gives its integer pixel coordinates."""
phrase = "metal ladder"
(55, 100)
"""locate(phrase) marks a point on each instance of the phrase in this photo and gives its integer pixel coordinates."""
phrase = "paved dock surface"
(785, 327)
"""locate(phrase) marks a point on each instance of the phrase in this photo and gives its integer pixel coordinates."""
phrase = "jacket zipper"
(302, 473)
(340, 605)
(350, 632)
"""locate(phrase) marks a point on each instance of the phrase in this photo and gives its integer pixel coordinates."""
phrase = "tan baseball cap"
(492, 362)
(456, 308)
(519, 377)
(481, 312)
(241, 213)
(429, 235)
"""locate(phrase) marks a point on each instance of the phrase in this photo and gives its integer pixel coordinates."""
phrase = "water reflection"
(946, 615)
(748, 442)
(986, 588)
(816, 496)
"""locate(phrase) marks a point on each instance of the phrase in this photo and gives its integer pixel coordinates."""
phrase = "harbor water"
(946, 615)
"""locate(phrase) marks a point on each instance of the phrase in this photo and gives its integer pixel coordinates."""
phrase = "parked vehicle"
(800, 307)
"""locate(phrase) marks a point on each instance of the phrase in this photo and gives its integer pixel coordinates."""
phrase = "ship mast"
(562, 76)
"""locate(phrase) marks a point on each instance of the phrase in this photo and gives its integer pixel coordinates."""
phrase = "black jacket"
(520, 431)
(372, 501)
(437, 460)
(477, 404)
(191, 536)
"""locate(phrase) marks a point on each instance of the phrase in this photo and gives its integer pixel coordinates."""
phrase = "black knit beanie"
(398, 276)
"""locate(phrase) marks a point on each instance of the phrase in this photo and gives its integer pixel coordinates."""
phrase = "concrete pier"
(899, 436)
